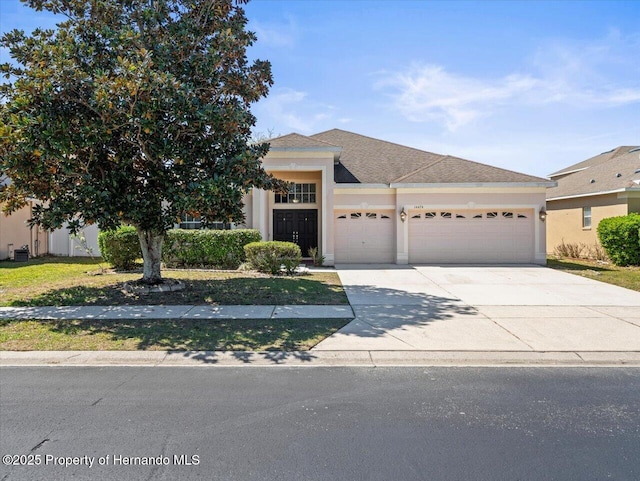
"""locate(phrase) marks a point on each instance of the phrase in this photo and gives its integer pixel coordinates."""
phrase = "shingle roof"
(454, 170)
(595, 160)
(374, 161)
(601, 175)
(295, 141)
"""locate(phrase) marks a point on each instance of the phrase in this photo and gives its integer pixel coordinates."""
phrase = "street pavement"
(411, 315)
(333, 424)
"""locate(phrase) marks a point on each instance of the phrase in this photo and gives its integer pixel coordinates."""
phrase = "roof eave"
(442, 185)
(305, 149)
(360, 186)
(591, 194)
(567, 172)
(336, 151)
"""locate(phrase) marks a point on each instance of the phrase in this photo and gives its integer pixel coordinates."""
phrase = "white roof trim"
(565, 172)
(471, 185)
(604, 192)
(340, 185)
(328, 148)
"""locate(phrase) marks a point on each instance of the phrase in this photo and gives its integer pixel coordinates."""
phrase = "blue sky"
(531, 86)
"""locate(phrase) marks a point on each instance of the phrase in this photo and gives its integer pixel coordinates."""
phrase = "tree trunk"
(151, 245)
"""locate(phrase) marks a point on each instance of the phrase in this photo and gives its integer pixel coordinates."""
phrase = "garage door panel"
(491, 236)
(364, 237)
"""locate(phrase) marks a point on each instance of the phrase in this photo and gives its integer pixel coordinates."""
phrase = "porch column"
(260, 214)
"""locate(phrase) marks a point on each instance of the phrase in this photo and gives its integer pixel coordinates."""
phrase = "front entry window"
(298, 194)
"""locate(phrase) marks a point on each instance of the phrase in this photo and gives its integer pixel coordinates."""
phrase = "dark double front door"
(298, 226)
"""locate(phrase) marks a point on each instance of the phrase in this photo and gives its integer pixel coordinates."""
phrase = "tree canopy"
(132, 111)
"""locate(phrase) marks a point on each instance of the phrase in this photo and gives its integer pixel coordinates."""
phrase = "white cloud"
(428, 92)
(293, 110)
(281, 107)
(598, 75)
(275, 35)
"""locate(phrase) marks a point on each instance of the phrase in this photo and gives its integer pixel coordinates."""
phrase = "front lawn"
(628, 277)
(183, 334)
(78, 281)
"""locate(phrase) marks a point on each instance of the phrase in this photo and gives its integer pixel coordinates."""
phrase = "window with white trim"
(586, 217)
(188, 221)
(298, 194)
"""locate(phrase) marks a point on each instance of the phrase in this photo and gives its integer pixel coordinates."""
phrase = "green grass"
(628, 277)
(79, 281)
(199, 335)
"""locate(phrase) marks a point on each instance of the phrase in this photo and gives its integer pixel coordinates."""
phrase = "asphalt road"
(321, 423)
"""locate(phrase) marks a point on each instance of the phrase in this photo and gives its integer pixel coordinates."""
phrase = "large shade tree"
(132, 112)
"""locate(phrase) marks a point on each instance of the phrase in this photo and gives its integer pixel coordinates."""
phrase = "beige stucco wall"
(634, 204)
(564, 218)
(14, 230)
(300, 167)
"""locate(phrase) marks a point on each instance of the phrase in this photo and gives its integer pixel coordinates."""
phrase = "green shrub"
(220, 249)
(120, 247)
(269, 257)
(620, 237)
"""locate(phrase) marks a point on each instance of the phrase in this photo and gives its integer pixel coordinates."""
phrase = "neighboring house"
(15, 233)
(606, 185)
(62, 243)
(364, 200)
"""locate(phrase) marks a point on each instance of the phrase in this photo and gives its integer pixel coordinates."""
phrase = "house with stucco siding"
(364, 200)
(606, 185)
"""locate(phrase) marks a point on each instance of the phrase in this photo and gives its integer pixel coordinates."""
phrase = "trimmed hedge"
(120, 247)
(270, 256)
(620, 237)
(220, 249)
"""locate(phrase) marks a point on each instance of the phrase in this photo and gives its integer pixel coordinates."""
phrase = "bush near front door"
(269, 257)
(218, 249)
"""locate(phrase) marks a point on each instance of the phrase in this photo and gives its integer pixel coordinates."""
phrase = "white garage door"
(366, 236)
(471, 236)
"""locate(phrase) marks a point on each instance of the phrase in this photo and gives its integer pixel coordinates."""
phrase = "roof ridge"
(621, 150)
(606, 156)
(420, 169)
(305, 136)
(377, 140)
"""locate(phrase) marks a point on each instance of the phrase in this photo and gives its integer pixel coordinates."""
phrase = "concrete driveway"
(483, 308)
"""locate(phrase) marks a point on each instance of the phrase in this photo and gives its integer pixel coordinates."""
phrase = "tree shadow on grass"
(232, 291)
(273, 340)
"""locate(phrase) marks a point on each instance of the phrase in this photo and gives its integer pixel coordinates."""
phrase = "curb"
(319, 358)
